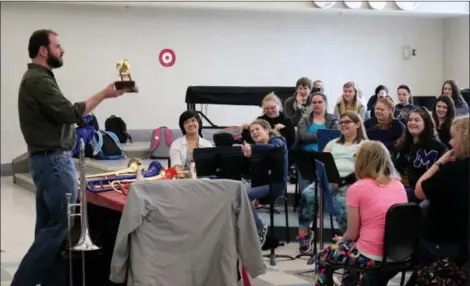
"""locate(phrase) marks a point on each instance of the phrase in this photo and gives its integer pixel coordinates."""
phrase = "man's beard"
(53, 62)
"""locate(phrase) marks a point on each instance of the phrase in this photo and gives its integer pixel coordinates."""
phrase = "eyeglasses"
(344, 122)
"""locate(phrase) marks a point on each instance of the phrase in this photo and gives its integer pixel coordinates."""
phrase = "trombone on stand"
(84, 243)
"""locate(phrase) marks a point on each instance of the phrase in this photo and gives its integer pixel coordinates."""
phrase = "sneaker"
(262, 235)
(305, 242)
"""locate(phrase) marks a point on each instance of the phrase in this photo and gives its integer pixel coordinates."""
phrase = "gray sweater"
(306, 137)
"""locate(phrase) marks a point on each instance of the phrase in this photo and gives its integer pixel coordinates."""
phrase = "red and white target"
(167, 58)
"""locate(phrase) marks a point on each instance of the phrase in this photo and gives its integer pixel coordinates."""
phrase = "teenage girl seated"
(350, 101)
(181, 150)
(309, 125)
(384, 127)
(445, 186)
(419, 150)
(265, 138)
(451, 89)
(272, 113)
(342, 150)
(377, 188)
(443, 113)
(405, 103)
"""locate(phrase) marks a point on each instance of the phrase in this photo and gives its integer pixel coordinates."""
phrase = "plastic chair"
(403, 225)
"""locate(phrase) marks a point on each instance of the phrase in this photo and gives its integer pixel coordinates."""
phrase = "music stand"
(219, 162)
(305, 161)
(267, 167)
(332, 174)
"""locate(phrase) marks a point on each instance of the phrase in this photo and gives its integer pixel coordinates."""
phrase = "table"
(104, 215)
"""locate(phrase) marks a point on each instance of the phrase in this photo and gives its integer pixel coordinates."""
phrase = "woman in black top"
(380, 92)
(419, 149)
(272, 113)
(446, 186)
(451, 89)
(443, 113)
(405, 103)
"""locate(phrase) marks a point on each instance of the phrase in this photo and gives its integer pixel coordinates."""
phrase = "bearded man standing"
(47, 122)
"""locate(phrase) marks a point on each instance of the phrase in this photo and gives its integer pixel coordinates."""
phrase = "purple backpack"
(86, 130)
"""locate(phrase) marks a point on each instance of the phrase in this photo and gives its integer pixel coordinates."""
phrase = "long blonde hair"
(373, 161)
(356, 104)
(462, 125)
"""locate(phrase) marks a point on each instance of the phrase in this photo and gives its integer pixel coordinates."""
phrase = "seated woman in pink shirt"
(377, 188)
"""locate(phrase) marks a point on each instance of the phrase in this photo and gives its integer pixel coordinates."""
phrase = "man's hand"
(299, 98)
(110, 91)
(246, 149)
(279, 126)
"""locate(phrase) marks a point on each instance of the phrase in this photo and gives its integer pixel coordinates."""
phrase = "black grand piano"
(231, 95)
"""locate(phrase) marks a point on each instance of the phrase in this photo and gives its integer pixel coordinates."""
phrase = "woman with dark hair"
(443, 114)
(419, 149)
(308, 126)
(451, 89)
(181, 150)
(318, 118)
(380, 92)
(405, 103)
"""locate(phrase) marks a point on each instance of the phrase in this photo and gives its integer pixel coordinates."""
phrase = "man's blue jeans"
(54, 176)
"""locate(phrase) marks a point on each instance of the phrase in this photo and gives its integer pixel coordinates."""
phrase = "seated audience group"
(386, 154)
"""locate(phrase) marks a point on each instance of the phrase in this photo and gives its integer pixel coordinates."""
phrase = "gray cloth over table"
(186, 233)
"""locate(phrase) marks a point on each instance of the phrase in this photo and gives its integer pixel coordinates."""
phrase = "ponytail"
(273, 132)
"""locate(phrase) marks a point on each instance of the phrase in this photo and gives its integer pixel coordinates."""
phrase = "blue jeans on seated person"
(54, 176)
(260, 192)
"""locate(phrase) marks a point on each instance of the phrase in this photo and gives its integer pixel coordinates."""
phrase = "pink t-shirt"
(373, 202)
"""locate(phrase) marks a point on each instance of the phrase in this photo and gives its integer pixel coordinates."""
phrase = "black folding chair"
(267, 169)
(403, 227)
